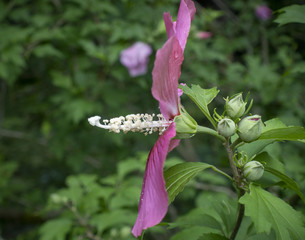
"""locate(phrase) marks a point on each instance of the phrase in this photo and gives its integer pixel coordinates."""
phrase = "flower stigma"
(144, 123)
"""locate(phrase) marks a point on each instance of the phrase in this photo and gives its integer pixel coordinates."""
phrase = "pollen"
(145, 123)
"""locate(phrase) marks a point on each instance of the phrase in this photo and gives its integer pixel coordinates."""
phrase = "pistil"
(134, 122)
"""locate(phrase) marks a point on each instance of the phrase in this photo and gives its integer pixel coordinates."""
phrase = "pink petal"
(181, 28)
(166, 73)
(169, 25)
(191, 6)
(185, 14)
(180, 91)
(173, 144)
(153, 200)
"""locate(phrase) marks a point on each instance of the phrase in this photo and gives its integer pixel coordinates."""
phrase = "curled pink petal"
(181, 27)
(184, 18)
(153, 200)
(192, 9)
(166, 73)
(170, 26)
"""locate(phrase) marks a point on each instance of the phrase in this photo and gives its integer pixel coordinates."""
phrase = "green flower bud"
(235, 107)
(253, 170)
(186, 126)
(250, 128)
(226, 127)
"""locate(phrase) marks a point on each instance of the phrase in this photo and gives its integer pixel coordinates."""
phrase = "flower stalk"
(241, 213)
(237, 181)
(201, 129)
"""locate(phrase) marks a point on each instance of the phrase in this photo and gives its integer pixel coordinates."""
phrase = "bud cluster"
(133, 122)
(248, 129)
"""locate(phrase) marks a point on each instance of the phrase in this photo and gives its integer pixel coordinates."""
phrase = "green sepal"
(185, 125)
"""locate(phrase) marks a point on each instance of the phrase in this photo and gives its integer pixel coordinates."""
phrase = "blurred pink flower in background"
(135, 58)
(263, 12)
(203, 35)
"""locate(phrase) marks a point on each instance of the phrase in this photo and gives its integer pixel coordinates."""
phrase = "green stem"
(142, 236)
(235, 143)
(223, 173)
(232, 164)
(239, 218)
(210, 131)
(237, 181)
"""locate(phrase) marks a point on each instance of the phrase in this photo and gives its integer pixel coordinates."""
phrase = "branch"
(239, 218)
(83, 222)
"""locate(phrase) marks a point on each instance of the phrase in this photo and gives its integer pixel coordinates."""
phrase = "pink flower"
(135, 58)
(203, 35)
(153, 203)
(263, 12)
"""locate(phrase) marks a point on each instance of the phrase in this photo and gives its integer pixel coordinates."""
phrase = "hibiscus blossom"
(135, 58)
(153, 202)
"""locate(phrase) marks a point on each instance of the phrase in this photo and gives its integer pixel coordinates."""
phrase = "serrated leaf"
(201, 97)
(179, 175)
(55, 229)
(268, 211)
(291, 14)
(216, 214)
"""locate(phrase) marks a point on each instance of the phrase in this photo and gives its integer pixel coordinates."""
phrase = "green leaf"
(291, 14)
(191, 233)
(114, 218)
(289, 183)
(216, 214)
(268, 211)
(277, 130)
(179, 175)
(270, 162)
(55, 229)
(282, 134)
(212, 236)
(202, 97)
(274, 130)
(45, 50)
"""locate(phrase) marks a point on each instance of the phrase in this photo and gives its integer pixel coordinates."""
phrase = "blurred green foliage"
(59, 65)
